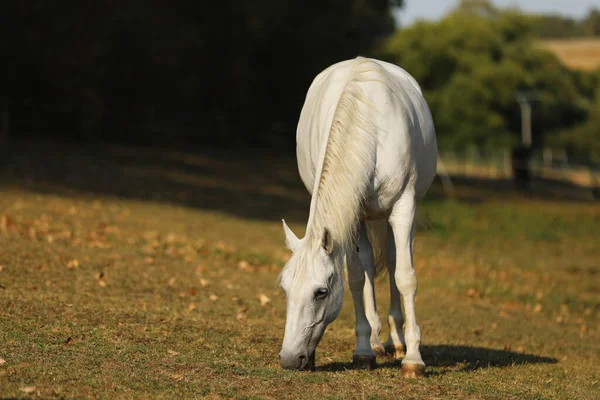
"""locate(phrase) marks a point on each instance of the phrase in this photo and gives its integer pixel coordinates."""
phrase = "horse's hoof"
(413, 370)
(363, 362)
(395, 350)
(379, 350)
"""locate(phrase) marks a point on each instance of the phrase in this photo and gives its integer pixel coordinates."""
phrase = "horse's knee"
(406, 281)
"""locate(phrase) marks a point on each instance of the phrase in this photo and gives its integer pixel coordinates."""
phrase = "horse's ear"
(327, 241)
(291, 240)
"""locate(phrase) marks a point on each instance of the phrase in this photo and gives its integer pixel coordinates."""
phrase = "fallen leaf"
(263, 299)
(191, 307)
(521, 349)
(73, 263)
(172, 281)
(28, 389)
(149, 260)
(101, 280)
(539, 295)
(213, 297)
(240, 316)
(70, 340)
(192, 291)
(200, 268)
(472, 292)
(1, 268)
(6, 224)
(507, 347)
(244, 266)
(177, 377)
(537, 308)
(2, 361)
(203, 282)
(172, 352)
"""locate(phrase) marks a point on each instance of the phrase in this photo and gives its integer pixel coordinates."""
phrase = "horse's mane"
(347, 168)
(348, 164)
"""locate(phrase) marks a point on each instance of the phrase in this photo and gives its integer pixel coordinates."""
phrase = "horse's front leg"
(364, 356)
(367, 260)
(402, 221)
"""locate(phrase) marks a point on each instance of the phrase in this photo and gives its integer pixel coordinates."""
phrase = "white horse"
(366, 151)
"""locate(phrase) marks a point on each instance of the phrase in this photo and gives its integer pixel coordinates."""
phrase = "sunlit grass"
(118, 297)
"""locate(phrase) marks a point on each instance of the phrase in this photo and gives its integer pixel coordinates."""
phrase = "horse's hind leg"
(395, 344)
(402, 221)
(364, 356)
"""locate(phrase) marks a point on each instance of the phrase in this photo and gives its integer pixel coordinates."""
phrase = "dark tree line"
(174, 72)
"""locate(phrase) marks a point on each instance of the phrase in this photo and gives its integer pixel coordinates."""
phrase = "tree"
(470, 66)
(181, 71)
(591, 24)
(583, 141)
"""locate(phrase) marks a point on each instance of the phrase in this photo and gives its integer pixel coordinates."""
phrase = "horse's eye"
(321, 293)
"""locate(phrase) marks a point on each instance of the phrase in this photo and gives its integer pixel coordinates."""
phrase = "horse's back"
(406, 151)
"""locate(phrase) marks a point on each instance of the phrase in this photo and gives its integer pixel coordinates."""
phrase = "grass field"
(581, 53)
(147, 274)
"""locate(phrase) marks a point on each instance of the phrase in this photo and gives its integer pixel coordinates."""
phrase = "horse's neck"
(347, 163)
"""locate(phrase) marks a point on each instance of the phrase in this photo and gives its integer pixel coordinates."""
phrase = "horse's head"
(315, 290)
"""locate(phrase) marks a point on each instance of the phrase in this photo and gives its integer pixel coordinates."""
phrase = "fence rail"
(541, 165)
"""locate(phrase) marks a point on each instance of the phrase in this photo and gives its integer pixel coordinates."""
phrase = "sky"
(434, 9)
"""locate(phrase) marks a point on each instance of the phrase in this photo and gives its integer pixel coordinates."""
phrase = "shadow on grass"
(455, 358)
(248, 183)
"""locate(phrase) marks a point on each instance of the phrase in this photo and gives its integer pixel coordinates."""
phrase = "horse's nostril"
(301, 358)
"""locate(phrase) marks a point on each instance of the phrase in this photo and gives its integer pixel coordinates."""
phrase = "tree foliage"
(138, 71)
(472, 63)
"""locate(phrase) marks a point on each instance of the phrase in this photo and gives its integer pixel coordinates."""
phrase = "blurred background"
(513, 85)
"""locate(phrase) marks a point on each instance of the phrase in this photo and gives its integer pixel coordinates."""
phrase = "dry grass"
(576, 53)
(105, 296)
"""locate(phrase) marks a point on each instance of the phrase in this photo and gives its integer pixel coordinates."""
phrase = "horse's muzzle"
(301, 362)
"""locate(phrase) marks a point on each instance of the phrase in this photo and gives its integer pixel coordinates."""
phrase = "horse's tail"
(377, 231)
